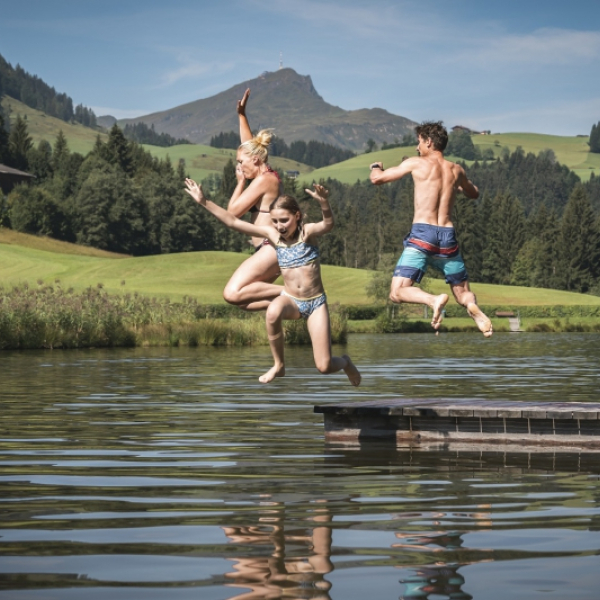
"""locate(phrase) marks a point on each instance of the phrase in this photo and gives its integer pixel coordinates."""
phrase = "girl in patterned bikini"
(303, 295)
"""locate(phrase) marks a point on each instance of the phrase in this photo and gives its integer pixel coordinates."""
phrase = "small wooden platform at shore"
(471, 420)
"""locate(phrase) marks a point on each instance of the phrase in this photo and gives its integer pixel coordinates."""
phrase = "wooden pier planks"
(415, 420)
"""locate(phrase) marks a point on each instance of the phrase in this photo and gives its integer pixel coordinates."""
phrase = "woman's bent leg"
(251, 286)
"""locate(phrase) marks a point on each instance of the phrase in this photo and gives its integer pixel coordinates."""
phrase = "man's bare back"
(436, 182)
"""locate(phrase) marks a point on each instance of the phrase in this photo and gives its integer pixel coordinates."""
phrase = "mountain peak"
(286, 102)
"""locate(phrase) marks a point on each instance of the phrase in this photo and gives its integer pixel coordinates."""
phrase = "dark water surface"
(174, 474)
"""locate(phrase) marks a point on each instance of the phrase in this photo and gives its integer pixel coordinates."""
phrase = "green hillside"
(204, 160)
(42, 127)
(570, 151)
(203, 275)
(200, 160)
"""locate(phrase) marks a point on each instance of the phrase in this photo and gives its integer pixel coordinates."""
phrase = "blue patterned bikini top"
(299, 254)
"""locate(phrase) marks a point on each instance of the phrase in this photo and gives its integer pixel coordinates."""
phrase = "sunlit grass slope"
(42, 127)
(201, 161)
(203, 275)
(570, 151)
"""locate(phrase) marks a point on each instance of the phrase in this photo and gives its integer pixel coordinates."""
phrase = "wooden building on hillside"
(9, 177)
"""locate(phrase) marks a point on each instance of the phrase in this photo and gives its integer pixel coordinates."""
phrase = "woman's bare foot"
(351, 371)
(482, 321)
(438, 307)
(274, 371)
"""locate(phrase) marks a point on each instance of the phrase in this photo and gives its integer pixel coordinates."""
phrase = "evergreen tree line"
(35, 93)
(594, 140)
(142, 134)
(117, 198)
(313, 153)
(535, 223)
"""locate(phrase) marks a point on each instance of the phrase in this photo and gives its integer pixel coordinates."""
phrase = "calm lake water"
(174, 474)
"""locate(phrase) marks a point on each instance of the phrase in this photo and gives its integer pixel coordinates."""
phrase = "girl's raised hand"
(320, 194)
(195, 191)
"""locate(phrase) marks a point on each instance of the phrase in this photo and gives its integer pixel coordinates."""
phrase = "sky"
(506, 66)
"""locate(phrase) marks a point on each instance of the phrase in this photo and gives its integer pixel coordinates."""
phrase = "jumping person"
(303, 295)
(432, 239)
(251, 286)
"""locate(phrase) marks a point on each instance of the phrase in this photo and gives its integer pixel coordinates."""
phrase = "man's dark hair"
(434, 131)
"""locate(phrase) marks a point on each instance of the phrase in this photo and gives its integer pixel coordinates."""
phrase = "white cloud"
(543, 47)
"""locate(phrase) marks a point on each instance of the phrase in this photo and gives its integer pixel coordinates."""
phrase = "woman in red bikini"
(251, 286)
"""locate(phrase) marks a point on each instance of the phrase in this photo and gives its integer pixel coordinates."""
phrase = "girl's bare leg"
(320, 335)
(251, 286)
(281, 308)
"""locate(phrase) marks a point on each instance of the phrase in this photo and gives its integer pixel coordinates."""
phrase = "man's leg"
(402, 290)
(466, 298)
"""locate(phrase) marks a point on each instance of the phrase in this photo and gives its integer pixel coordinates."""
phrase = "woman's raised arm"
(245, 132)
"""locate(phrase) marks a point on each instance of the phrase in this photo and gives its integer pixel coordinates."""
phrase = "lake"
(173, 473)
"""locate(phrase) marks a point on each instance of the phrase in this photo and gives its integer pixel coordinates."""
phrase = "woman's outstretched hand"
(321, 194)
(195, 191)
(241, 105)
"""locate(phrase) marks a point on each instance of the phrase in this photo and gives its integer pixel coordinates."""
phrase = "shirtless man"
(432, 239)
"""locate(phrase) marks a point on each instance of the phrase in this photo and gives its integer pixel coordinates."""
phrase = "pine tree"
(19, 143)
(60, 153)
(4, 147)
(580, 243)
(119, 150)
(594, 140)
(505, 235)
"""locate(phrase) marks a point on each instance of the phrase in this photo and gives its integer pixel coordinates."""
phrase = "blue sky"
(511, 65)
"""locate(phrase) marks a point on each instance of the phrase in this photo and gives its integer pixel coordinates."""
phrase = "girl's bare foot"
(351, 371)
(438, 307)
(274, 371)
(482, 321)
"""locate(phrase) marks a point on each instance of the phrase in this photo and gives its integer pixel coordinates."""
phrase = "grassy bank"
(203, 275)
(51, 317)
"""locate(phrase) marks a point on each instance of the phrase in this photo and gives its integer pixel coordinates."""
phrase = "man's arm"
(466, 186)
(380, 175)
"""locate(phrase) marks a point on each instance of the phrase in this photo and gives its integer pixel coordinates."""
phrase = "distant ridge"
(288, 103)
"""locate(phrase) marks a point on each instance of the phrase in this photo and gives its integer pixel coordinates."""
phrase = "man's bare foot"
(351, 371)
(438, 307)
(482, 321)
(274, 371)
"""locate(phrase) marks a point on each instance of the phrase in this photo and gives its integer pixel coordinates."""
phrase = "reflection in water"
(172, 473)
(268, 576)
(438, 580)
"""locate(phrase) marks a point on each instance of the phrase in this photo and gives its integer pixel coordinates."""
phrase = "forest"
(35, 93)
(535, 223)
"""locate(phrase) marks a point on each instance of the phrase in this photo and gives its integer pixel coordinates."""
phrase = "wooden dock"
(472, 420)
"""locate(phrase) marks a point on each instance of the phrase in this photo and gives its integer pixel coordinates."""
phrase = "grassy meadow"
(43, 127)
(202, 161)
(570, 151)
(59, 295)
(203, 275)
